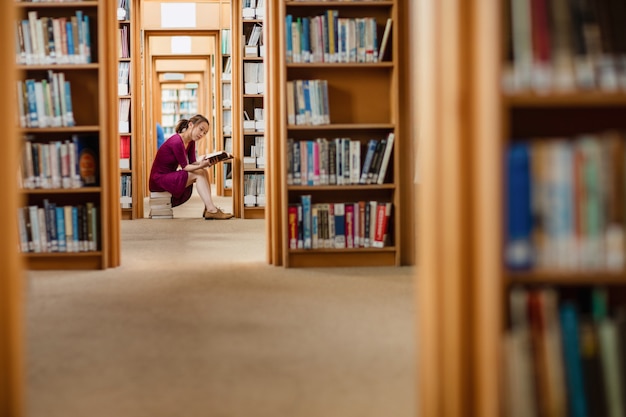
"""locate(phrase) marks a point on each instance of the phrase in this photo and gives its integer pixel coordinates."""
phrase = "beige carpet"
(194, 323)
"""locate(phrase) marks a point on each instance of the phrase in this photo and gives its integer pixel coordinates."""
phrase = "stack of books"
(161, 205)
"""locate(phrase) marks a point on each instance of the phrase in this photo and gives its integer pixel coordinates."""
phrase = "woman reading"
(180, 151)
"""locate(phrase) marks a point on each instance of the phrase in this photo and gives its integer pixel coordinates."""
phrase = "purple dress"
(165, 175)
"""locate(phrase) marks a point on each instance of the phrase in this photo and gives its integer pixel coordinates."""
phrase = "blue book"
(288, 39)
(573, 362)
(80, 48)
(86, 30)
(310, 162)
(69, 113)
(307, 221)
(305, 40)
(33, 119)
(51, 222)
(297, 175)
(340, 225)
(308, 113)
(518, 249)
(70, 42)
(60, 218)
(76, 229)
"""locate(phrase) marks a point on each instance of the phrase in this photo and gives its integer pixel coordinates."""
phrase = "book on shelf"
(53, 40)
(69, 163)
(125, 151)
(330, 38)
(564, 203)
(385, 39)
(565, 46)
(45, 102)
(56, 227)
(339, 225)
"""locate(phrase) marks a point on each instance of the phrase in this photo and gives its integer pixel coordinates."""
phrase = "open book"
(218, 156)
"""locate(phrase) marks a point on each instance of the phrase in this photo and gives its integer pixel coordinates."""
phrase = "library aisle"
(195, 323)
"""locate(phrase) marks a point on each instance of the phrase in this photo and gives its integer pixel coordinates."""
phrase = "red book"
(124, 147)
(349, 210)
(382, 219)
(362, 223)
(292, 218)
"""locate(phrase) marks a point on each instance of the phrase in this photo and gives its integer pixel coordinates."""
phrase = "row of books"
(226, 43)
(227, 69)
(255, 157)
(70, 163)
(124, 37)
(565, 46)
(54, 227)
(126, 191)
(123, 78)
(124, 115)
(330, 38)
(307, 102)
(565, 354)
(227, 96)
(341, 225)
(50, 40)
(123, 9)
(564, 203)
(45, 102)
(338, 161)
(253, 9)
(125, 151)
(161, 205)
(253, 78)
(255, 124)
(254, 190)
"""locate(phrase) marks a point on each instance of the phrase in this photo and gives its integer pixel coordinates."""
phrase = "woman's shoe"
(218, 215)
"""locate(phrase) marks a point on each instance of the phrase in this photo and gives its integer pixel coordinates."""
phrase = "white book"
(355, 161)
(386, 157)
(43, 229)
(35, 242)
(385, 40)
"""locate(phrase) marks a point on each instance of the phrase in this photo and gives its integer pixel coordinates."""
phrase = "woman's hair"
(182, 124)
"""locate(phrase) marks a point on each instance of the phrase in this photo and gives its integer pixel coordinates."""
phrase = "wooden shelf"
(92, 98)
(363, 104)
(244, 140)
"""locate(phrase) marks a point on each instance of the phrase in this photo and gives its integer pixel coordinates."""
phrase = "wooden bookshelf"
(469, 119)
(92, 80)
(224, 171)
(248, 99)
(131, 197)
(363, 104)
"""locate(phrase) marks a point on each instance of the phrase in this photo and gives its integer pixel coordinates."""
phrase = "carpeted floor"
(195, 324)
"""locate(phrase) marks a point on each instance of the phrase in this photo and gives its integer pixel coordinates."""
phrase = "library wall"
(207, 15)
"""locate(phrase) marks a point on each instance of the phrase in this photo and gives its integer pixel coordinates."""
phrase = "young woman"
(180, 151)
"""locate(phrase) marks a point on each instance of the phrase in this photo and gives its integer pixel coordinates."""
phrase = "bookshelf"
(248, 107)
(224, 171)
(481, 250)
(331, 132)
(131, 202)
(67, 145)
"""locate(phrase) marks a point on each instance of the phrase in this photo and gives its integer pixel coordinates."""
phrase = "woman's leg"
(201, 178)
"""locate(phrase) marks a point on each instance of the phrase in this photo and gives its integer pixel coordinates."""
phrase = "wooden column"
(11, 276)
(456, 82)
